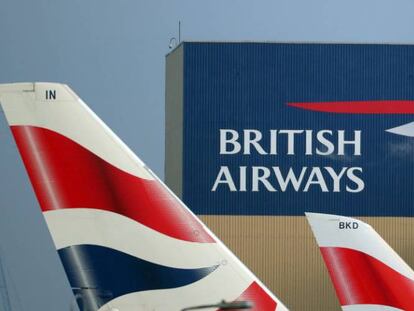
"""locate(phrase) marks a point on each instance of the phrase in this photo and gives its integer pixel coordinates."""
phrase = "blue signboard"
(280, 129)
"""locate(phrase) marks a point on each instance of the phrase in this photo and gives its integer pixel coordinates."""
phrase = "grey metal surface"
(174, 120)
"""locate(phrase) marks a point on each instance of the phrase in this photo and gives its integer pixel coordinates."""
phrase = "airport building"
(257, 134)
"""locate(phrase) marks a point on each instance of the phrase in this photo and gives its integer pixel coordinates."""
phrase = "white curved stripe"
(221, 284)
(69, 116)
(369, 308)
(77, 226)
(364, 239)
(405, 130)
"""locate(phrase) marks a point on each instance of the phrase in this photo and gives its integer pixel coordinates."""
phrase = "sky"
(112, 53)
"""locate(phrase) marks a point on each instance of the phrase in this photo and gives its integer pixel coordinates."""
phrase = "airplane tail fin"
(366, 272)
(125, 240)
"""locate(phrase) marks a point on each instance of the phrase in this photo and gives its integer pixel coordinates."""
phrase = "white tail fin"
(366, 272)
(125, 240)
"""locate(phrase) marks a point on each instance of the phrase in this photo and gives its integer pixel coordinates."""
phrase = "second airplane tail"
(366, 272)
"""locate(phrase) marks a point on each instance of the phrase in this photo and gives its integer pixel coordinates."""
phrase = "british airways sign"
(320, 143)
(326, 142)
(279, 129)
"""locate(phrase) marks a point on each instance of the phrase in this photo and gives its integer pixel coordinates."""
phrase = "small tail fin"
(125, 240)
(366, 272)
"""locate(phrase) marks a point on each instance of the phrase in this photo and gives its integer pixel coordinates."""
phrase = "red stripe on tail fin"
(66, 175)
(361, 279)
(258, 297)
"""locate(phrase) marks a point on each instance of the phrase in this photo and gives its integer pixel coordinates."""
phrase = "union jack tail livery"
(366, 272)
(125, 240)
